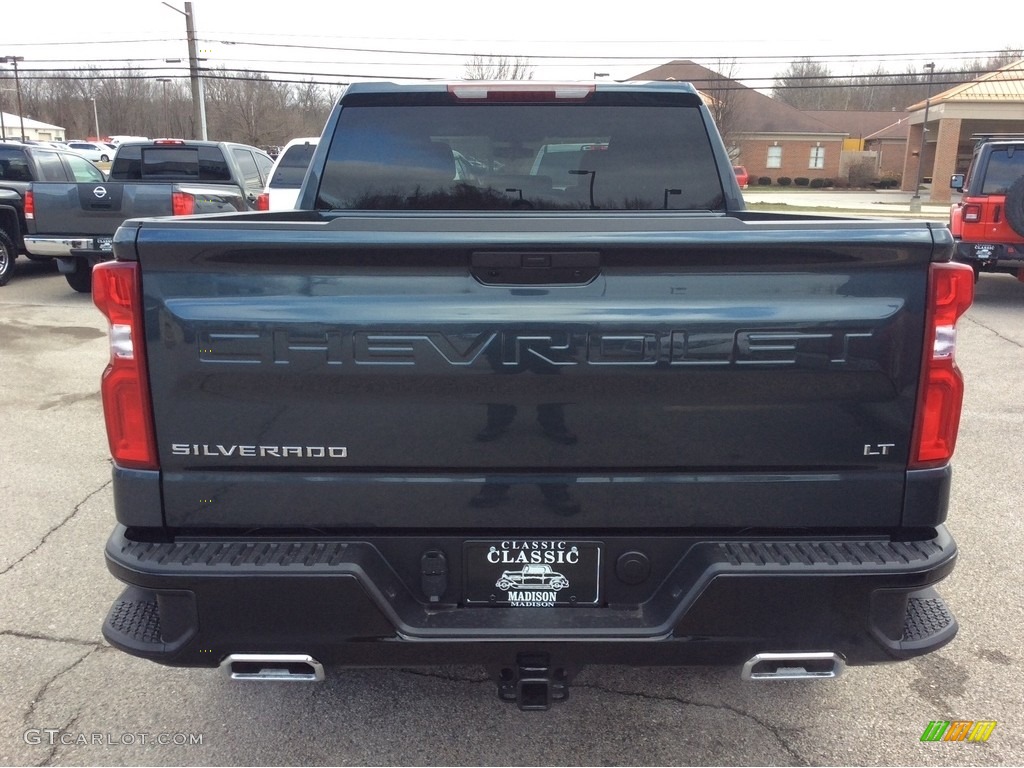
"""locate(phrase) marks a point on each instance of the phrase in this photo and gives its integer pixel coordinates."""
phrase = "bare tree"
(1000, 60)
(809, 85)
(246, 106)
(721, 92)
(498, 68)
(804, 85)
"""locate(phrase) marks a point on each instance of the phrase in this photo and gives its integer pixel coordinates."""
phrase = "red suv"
(742, 177)
(988, 222)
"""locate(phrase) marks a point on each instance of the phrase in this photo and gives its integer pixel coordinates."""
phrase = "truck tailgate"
(540, 372)
(95, 208)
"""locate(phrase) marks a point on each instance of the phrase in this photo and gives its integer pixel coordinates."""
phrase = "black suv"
(20, 165)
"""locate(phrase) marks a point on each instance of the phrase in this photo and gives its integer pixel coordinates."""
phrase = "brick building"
(774, 139)
(994, 103)
(766, 136)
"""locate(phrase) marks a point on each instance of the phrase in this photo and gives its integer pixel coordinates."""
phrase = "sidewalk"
(887, 202)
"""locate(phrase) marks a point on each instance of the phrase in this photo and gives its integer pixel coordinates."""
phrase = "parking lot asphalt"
(70, 699)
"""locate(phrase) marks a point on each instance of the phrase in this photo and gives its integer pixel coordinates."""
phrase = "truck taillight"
(183, 204)
(971, 212)
(30, 204)
(940, 399)
(263, 201)
(116, 291)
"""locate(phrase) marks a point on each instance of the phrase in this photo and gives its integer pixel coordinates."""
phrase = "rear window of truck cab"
(291, 167)
(511, 156)
(179, 163)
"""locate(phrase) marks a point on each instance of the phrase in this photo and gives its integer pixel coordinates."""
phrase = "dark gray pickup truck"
(453, 410)
(75, 222)
(22, 164)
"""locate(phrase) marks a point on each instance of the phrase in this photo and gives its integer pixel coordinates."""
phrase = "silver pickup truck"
(75, 222)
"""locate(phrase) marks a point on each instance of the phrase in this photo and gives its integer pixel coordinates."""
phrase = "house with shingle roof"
(774, 139)
(768, 137)
(880, 137)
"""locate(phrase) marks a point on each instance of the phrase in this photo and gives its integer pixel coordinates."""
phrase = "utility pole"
(3, 128)
(198, 98)
(17, 87)
(167, 119)
(96, 117)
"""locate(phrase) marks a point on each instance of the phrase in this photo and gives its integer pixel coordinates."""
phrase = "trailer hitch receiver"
(533, 684)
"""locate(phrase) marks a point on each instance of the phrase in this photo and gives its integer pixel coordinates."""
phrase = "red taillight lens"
(263, 201)
(950, 293)
(182, 204)
(971, 212)
(30, 204)
(116, 291)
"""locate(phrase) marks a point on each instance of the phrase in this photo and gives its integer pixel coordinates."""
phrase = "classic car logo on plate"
(532, 573)
(532, 585)
(100, 192)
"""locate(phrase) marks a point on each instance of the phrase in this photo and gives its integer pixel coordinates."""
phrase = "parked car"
(742, 177)
(97, 153)
(21, 164)
(988, 222)
(286, 176)
(75, 223)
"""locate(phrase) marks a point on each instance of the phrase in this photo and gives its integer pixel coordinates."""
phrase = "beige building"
(994, 103)
(11, 126)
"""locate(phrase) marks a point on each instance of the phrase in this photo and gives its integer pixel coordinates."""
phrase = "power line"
(551, 58)
(951, 78)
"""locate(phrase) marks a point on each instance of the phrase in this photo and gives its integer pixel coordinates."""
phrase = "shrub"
(828, 183)
(817, 183)
(801, 181)
(862, 172)
(764, 181)
(891, 180)
(783, 181)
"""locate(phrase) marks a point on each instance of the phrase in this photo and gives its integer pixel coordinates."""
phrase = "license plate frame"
(532, 573)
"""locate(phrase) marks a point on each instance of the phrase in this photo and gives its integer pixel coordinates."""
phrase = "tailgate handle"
(535, 267)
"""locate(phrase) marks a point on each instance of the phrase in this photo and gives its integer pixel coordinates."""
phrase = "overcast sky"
(563, 40)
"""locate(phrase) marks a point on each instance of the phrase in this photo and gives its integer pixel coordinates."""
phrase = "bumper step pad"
(928, 621)
(151, 624)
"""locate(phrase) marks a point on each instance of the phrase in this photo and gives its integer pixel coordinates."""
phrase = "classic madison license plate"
(533, 573)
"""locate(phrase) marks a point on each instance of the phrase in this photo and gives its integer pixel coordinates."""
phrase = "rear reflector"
(263, 201)
(940, 399)
(116, 291)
